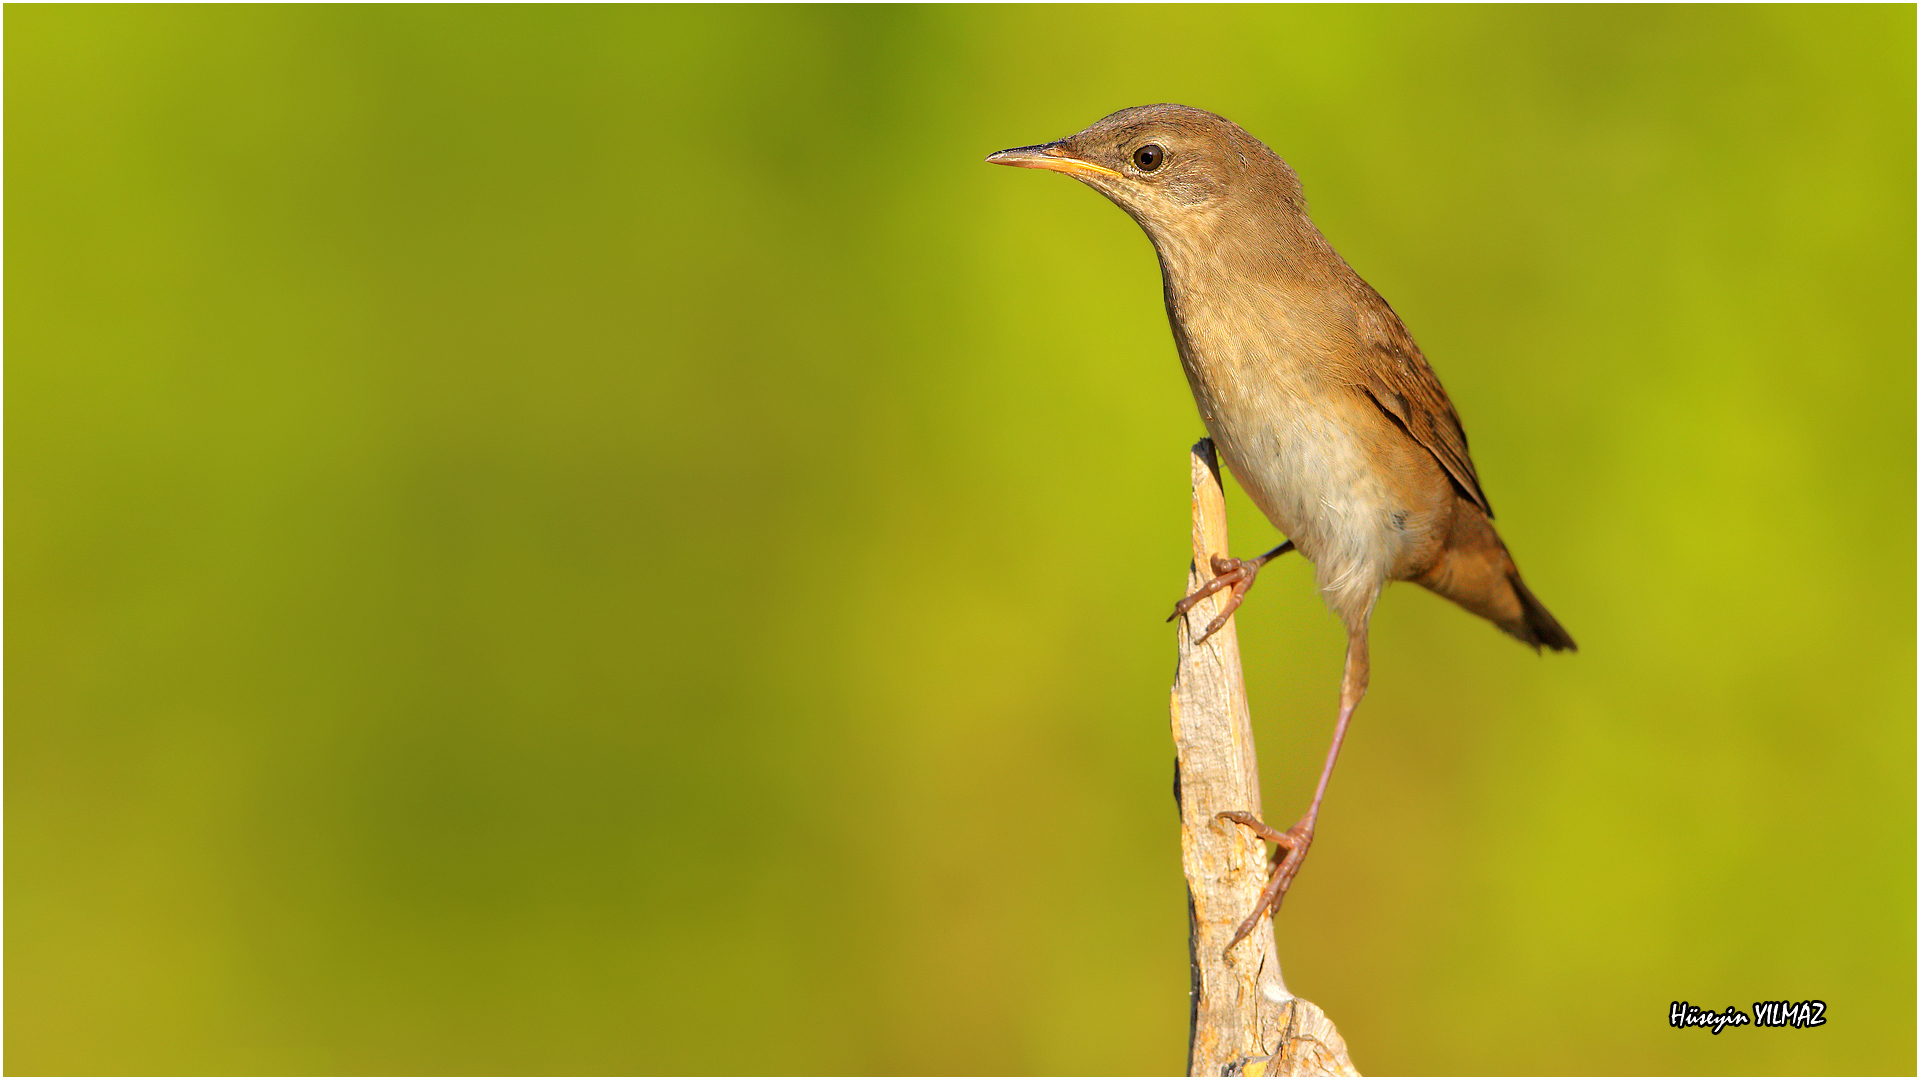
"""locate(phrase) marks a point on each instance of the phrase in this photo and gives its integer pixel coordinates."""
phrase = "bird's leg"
(1291, 846)
(1237, 574)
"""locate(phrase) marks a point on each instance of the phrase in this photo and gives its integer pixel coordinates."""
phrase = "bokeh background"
(606, 540)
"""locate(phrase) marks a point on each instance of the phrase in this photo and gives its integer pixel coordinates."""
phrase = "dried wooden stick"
(1245, 1023)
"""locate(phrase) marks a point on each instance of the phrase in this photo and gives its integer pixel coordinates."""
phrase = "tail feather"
(1536, 625)
(1476, 572)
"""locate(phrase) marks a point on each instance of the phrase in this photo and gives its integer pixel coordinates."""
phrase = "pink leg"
(1291, 846)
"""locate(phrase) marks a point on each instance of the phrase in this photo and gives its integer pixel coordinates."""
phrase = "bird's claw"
(1235, 574)
(1290, 851)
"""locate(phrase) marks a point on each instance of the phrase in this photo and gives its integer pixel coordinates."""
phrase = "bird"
(1315, 394)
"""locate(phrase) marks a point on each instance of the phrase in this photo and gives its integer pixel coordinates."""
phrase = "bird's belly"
(1309, 471)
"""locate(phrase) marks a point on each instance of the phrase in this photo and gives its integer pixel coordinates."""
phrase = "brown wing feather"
(1400, 381)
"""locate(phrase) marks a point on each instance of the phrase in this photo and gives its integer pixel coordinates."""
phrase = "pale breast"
(1322, 462)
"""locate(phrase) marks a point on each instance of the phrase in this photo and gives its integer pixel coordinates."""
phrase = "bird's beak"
(1050, 156)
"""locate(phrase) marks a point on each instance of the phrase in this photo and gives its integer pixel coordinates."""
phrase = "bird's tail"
(1536, 625)
(1476, 572)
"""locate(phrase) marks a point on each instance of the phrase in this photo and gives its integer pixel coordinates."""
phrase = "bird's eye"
(1149, 157)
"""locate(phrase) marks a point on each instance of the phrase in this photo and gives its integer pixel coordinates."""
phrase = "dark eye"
(1149, 157)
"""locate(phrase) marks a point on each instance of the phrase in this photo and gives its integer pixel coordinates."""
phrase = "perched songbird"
(1315, 394)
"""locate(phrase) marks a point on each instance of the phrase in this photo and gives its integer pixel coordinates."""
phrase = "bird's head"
(1172, 167)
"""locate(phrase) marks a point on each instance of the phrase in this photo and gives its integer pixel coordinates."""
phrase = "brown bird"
(1316, 395)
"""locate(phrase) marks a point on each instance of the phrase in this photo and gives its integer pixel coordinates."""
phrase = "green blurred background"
(606, 540)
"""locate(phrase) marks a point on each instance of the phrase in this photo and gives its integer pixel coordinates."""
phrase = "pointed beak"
(1050, 156)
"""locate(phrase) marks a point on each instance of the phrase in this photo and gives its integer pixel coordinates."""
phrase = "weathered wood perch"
(1245, 1023)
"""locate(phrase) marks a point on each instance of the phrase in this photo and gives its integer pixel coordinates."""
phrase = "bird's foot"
(1289, 852)
(1235, 574)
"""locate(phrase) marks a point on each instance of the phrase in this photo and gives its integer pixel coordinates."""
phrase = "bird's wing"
(1397, 377)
